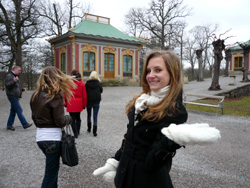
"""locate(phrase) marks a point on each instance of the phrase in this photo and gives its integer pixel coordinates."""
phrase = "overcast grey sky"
(229, 14)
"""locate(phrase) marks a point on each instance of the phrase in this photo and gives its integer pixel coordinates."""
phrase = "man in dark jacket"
(14, 93)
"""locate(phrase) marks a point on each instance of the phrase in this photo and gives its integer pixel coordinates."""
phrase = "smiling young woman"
(145, 157)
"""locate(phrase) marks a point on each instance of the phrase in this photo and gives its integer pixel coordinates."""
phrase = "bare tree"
(18, 25)
(179, 37)
(75, 12)
(199, 57)
(189, 54)
(71, 7)
(228, 57)
(29, 70)
(46, 55)
(36, 57)
(160, 18)
(202, 35)
(52, 18)
(219, 46)
(60, 17)
(134, 27)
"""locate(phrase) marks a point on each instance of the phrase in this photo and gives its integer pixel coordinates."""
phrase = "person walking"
(94, 90)
(47, 106)
(14, 93)
(77, 103)
(145, 157)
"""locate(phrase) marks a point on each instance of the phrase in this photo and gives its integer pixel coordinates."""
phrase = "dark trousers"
(15, 109)
(51, 150)
(75, 116)
(95, 110)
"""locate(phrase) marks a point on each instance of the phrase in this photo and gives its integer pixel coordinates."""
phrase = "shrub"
(113, 83)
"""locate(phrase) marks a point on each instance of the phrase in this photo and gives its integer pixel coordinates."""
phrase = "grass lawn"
(232, 106)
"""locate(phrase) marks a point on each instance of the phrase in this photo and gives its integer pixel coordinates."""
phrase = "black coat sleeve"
(164, 149)
(119, 152)
(129, 125)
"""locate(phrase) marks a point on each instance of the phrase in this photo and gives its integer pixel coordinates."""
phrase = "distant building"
(94, 44)
(237, 59)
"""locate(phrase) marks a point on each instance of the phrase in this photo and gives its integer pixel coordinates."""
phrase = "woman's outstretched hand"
(190, 134)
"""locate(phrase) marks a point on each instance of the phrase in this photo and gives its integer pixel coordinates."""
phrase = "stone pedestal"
(232, 83)
(185, 80)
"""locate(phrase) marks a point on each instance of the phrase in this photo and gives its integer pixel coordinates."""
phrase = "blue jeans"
(15, 109)
(51, 150)
(95, 109)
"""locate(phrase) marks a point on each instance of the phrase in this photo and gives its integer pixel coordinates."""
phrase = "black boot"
(74, 129)
(89, 127)
(94, 130)
(78, 125)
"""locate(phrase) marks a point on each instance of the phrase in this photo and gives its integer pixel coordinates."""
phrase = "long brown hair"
(168, 105)
(76, 74)
(53, 80)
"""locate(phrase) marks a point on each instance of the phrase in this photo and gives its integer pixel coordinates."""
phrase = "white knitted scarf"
(146, 100)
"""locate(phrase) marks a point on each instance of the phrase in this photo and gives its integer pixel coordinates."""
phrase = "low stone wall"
(238, 92)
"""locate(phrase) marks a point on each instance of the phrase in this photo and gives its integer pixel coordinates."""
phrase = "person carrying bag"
(68, 148)
(47, 107)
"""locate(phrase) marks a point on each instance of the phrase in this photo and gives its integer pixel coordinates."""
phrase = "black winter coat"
(145, 156)
(94, 90)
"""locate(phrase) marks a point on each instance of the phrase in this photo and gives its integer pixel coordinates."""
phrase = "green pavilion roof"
(93, 28)
(238, 47)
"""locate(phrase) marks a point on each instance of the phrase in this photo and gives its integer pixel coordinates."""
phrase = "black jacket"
(13, 89)
(145, 156)
(94, 90)
(48, 114)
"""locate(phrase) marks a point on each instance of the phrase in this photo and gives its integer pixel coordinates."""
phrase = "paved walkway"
(202, 87)
(221, 165)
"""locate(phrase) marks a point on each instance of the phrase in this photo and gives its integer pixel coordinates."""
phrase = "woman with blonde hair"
(94, 90)
(94, 76)
(47, 106)
(145, 157)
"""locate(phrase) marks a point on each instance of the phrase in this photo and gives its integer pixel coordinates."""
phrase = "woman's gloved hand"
(190, 134)
(108, 170)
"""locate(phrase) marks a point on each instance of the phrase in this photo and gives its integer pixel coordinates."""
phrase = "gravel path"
(224, 164)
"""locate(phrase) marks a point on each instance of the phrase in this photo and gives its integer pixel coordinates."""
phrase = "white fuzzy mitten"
(190, 134)
(108, 170)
